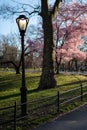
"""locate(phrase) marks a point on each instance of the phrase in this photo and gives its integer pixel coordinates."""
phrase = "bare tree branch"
(23, 4)
(55, 7)
(9, 10)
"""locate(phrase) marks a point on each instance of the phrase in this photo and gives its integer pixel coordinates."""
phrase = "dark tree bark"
(47, 78)
(57, 69)
(16, 67)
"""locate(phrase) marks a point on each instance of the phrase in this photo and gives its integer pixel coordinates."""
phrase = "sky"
(7, 26)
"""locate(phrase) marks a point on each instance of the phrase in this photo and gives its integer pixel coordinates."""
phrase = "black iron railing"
(40, 107)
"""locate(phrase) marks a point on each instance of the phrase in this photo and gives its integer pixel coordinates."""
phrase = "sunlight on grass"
(10, 85)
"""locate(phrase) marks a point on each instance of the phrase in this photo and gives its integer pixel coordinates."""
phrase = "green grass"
(10, 85)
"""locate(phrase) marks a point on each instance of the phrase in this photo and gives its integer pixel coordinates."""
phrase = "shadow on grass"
(18, 94)
(13, 82)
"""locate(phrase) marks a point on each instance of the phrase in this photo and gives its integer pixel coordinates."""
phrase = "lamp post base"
(23, 101)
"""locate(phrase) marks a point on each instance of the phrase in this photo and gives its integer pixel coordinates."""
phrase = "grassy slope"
(10, 84)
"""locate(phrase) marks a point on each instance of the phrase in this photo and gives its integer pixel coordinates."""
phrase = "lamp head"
(22, 22)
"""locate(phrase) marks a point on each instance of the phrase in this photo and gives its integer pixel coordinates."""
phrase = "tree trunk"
(47, 78)
(58, 69)
(76, 65)
(17, 69)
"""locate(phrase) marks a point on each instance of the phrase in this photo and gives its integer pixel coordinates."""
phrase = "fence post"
(15, 116)
(58, 96)
(81, 92)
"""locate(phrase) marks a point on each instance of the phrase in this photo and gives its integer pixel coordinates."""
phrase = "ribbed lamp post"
(22, 22)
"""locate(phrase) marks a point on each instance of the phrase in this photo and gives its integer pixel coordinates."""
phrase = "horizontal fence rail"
(12, 116)
(43, 106)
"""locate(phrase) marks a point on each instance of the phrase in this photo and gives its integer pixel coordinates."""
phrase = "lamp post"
(22, 22)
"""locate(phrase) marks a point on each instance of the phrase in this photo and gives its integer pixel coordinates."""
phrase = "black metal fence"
(10, 117)
(72, 95)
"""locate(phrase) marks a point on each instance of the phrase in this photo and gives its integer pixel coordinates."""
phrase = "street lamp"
(22, 22)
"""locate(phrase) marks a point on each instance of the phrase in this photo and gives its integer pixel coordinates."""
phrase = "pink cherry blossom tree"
(69, 25)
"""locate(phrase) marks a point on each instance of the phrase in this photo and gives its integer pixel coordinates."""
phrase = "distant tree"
(10, 55)
(35, 50)
(69, 26)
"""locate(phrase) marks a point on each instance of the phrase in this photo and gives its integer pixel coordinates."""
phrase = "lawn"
(10, 84)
